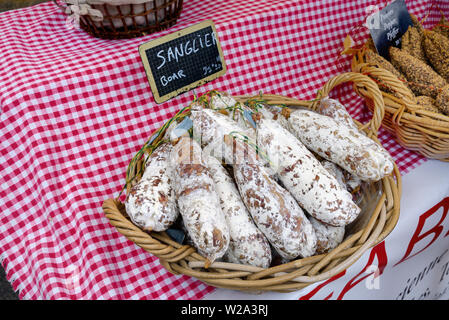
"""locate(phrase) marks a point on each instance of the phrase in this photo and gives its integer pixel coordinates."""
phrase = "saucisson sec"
(210, 127)
(334, 109)
(247, 245)
(328, 237)
(198, 201)
(315, 189)
(338, 143)
(273, 209)
(151, 203)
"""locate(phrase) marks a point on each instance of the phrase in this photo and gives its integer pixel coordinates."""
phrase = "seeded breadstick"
(370, 45)
(427, 103)
(416, 23)
(412, 43)
(442, 100)
(442, 27)
(436, 47)
(380, 62)
(423, 80)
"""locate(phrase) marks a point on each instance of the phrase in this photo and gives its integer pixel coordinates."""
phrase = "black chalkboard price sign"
(388, 25)
(183, 60)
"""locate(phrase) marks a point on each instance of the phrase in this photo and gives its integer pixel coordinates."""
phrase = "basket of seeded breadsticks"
(414, 82)
(122, 19)
(264, 193)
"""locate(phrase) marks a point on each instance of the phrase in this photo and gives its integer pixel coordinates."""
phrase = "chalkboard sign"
(183, 60)
(388, 25)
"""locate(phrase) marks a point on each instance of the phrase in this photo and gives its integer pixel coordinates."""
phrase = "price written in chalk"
(183, 60)
(212, 68)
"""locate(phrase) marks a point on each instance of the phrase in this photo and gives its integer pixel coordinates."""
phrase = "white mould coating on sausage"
(273, 112)
(228, 106)
(342, 145)
(346, 179)
(315, 189)
(221, 100)
(335, 171)
(328, 237)
(334, 109)
(353, 183)
(198, 200)
(151, 203)
(273, 209)
(248, 244)
(210, 127)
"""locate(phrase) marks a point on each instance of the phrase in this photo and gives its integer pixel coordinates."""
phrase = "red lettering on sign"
(435, 230)
(381, 254)
(318, 288)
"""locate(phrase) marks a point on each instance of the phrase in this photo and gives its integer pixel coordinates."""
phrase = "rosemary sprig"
(155, 140)
(233, 108)
(256, 103)
(245, 139)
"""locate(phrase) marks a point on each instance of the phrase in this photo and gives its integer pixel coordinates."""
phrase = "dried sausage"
(198, 200)
(273, 209)
(151, 203)
(342, 145)
(248, 244)
(315, 189)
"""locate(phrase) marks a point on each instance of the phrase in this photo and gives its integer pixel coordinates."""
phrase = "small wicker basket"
(380, 213)
(123, 19)
(413, 128)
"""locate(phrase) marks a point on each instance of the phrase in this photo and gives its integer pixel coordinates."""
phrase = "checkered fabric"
(75, 109)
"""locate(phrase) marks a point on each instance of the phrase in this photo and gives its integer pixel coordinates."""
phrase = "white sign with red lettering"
(411, 264)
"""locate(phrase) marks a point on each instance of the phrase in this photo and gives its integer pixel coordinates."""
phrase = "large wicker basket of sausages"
(414, 82)
(234, 192)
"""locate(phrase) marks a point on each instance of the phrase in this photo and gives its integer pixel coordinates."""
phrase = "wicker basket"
(414, 129)
(123, 19)
(380, 213)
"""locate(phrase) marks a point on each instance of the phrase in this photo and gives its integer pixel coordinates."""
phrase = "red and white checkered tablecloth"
(75, 109)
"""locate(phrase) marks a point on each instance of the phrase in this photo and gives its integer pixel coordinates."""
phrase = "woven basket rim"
(296, 274)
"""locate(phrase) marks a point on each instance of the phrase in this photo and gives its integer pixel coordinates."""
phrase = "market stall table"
(75, 109)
